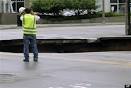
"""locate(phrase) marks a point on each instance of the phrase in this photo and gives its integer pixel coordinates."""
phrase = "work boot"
(35, 59)
(26, 60)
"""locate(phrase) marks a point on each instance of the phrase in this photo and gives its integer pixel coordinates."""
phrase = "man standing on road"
(29, 33)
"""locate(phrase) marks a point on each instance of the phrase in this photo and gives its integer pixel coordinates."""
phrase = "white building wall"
(99, 5)
(0, 6)
(107, 6)
(5, 6)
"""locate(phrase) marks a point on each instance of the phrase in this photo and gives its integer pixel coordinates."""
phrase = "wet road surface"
(66, 70)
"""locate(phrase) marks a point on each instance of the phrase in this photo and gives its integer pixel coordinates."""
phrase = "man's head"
(28, 10)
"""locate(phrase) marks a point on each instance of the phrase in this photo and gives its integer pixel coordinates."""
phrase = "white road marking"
(80, 85)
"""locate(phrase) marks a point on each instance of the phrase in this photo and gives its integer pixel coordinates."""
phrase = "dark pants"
(30, 40)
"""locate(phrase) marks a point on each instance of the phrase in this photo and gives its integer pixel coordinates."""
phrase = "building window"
(113, 1)
(10, 6)
(1, 6)
(121, 1)
(114, 8)
(122, 8)
(16, 4)
(118, 6)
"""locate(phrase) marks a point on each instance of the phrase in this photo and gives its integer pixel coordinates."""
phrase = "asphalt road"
(67, 70)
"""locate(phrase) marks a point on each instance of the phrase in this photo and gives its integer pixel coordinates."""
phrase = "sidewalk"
(60, 25)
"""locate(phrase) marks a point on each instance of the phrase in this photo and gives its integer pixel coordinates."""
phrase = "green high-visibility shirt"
(29, 24)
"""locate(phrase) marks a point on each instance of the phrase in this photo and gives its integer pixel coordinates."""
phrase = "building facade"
(117, 6)
(99, 5)
(9, 10)
(12, 6)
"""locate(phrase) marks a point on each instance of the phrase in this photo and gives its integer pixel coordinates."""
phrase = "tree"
(88, 5)
(56, 6)
(79, 6)
(48, 6)
(37, 5)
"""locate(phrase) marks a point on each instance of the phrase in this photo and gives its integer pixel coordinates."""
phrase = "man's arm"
(21, 18)
(37, 17)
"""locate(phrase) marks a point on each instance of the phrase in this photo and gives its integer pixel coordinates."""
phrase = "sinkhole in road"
(70, 45)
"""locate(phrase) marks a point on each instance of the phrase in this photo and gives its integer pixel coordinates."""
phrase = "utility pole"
(103, 11)
(127, 15)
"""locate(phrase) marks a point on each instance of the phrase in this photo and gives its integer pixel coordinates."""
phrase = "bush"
(78, 17)
(111, 14)
(55, 7)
